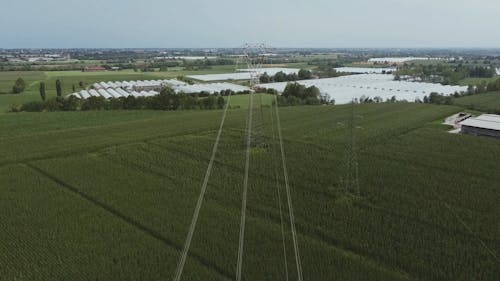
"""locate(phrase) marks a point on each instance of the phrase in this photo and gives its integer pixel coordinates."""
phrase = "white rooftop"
(346, 88)
(243, 74)
(399, 59)
(485, 121)
(104, 89)
(365, 70)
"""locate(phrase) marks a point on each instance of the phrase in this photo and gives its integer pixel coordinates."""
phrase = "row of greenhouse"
(346, 88)
(111, 93)
(151, 88)
(139, 85)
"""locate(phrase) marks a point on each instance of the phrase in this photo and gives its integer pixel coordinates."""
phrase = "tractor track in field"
(129, 220)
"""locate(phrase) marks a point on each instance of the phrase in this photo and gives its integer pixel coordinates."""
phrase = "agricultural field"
(110, 195)
(7, 79)
(487, 102)
(476, 81)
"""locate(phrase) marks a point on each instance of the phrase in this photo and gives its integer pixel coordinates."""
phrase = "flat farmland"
(488, 102)
(110, 195)
(73, 78)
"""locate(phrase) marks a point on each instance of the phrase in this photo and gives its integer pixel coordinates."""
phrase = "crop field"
(488, 102)
(110, 195)
(476, 81)
(7, 79)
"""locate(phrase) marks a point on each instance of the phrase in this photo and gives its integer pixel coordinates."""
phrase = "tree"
(265, 78)
(166, 100)
(293, 90)
(305, 74)
(280, 77)
(19, 86)
(311, 92)
(59, 88)
(42, 90)
(220, 102)
(292, 77)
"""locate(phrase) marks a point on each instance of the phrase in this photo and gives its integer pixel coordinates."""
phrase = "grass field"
(476, 81)
(488, 102)
(110, 195)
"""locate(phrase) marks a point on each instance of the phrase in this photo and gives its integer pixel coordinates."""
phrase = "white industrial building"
(399, 60)
(366, 70)
(483, 125)
(243, 74)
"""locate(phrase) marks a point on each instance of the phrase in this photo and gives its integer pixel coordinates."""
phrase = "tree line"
(445, 74)
(297, 94)
(281, 76)
(166, 100)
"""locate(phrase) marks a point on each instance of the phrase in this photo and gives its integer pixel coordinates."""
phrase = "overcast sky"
(230, 23)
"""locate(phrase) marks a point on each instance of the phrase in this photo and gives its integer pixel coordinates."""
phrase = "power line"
(245, 189)
(278, 187)
(187, 243)
(490, 251)
(457, 216)
(289, 198)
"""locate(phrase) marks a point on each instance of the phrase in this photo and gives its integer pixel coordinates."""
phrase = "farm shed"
(94, 69)
(483, 125)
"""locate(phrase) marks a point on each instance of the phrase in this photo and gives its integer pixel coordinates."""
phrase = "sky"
(231, 23)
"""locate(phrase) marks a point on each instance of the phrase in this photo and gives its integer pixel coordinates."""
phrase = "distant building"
(483, 125)
(94, 68)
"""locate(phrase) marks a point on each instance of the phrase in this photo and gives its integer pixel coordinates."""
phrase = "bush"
(53, 104)
(94, 103)
(33, 106)
(19, 86)
(70, 104)
(15, 108)
(115, 104)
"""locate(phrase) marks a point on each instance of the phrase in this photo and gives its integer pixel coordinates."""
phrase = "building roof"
(365, 69)
(485, 121)
(94, 68)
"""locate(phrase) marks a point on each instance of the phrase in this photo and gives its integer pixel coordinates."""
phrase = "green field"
(488, 102)
(109, 195)
(476, 81)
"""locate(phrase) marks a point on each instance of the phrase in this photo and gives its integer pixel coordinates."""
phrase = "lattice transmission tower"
(255, 56)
